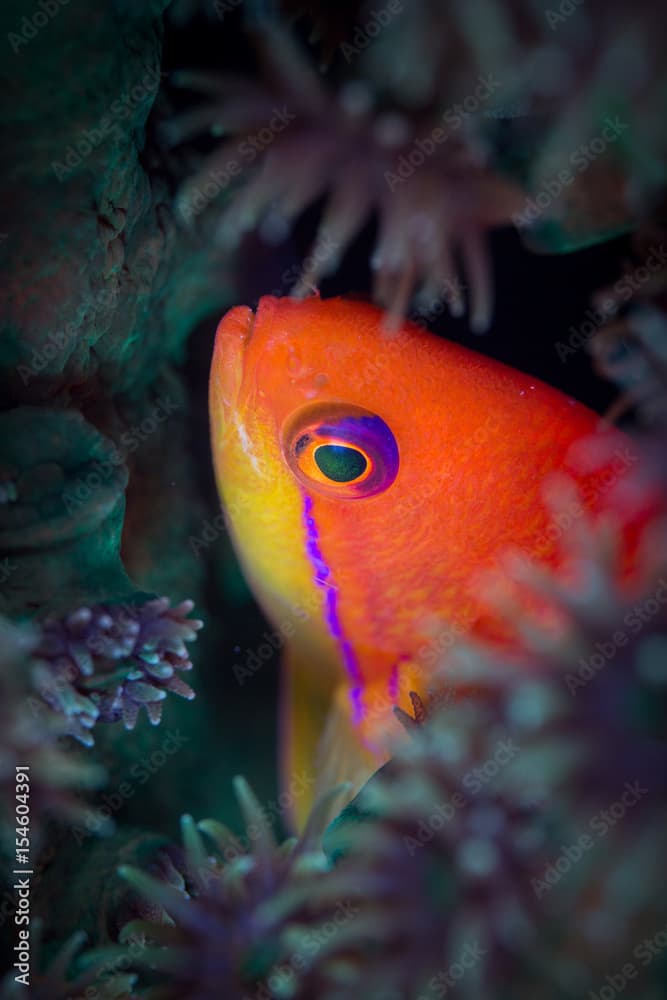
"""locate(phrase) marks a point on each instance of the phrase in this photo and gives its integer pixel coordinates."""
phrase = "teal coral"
(65, 495)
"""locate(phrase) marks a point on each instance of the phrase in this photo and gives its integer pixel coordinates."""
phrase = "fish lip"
(233, 334)
(230, 384)
(254, 314)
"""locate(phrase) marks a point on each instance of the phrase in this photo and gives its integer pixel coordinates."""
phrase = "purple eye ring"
(340, 428)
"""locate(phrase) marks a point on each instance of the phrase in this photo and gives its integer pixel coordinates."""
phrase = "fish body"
(369, 479)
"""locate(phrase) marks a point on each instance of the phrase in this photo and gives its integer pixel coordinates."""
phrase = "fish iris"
(339, 463)
(340, 450)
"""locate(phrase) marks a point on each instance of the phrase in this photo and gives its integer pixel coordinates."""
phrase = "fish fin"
(341, 753)
(320, 745)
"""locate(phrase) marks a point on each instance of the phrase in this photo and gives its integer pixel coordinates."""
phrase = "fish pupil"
(339, 463)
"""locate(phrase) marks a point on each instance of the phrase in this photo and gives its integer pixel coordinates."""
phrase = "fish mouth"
(234, 332)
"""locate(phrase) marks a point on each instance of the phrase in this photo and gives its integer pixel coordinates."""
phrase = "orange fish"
(368, 478)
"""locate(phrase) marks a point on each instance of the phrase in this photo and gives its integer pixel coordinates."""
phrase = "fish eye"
(340, 450)
(340, 462)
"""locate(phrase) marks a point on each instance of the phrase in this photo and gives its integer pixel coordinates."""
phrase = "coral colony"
(141, 648)
(167, 161)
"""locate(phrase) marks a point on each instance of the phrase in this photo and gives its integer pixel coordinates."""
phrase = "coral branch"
(105, 663)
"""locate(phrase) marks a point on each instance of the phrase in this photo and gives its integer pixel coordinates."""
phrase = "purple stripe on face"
(322, 579)
(393, 683)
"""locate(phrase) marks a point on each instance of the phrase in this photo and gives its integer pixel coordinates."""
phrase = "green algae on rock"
(61, 520)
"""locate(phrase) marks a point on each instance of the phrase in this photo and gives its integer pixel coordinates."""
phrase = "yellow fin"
(320, 745)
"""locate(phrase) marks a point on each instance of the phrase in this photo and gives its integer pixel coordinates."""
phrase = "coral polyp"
(344, 145)
(31, 737)
(105, 663)
(220, 928)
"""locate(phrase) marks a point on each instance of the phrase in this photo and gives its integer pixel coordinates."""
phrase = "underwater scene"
(333, 500)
